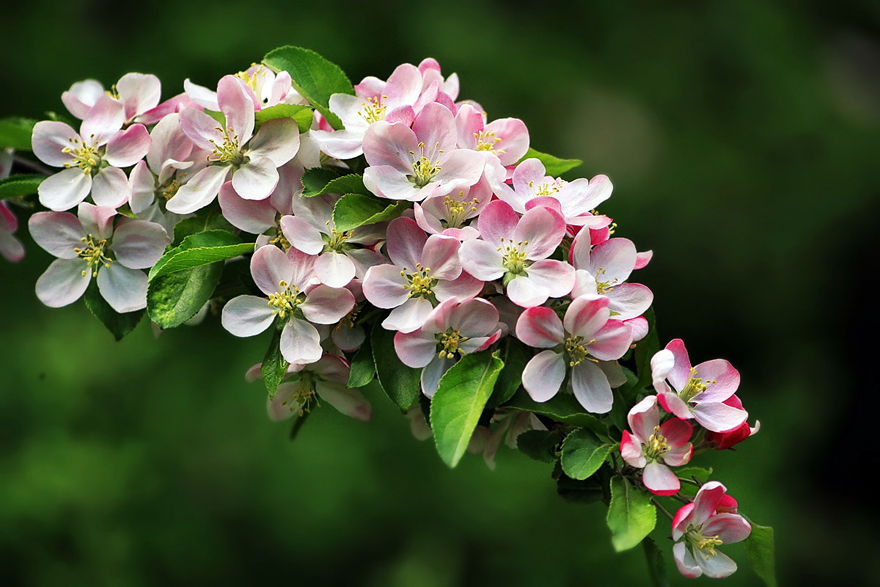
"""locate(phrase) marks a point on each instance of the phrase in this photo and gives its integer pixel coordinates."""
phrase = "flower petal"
(327, 305)
(540, 327)
(110, 188)
(64, 282)
(660, 480)
(300, 342)
(65, 189)
(247, 315)
(543, 375)
(138, 244)
(255, 180)
(59, 233)
(591, 388)
(199, 191)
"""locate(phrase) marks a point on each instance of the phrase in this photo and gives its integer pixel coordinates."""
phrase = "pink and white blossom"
(419, 162)
(89, 246)
(578, 345)
(265, 88)
(251, 160)
(701, 526)
(451, 330)
(506, 138)
(725, 440)
(448, 215)
(294, 299)
(696, 392)
(516, 249)
(10, 247)
(655, 447)
(134, 94)
(424, 270)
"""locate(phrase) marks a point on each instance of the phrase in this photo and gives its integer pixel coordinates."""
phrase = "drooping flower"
(252, 160)
(293, 299)
(696, 392)
(516, 249)
(701, 526)
(88, 246)
(452, 329)
(425, 270)
(419, 162)
(725, 440)
(655, 447)
(578, 344)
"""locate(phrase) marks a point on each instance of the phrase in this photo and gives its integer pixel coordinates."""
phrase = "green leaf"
(584, 492)
(562, 408)
(315, 78)
(19, 185)
(174, 298)
(554, 165)
(515, 357)
(363, 368)
(118, 324)
(631, 515)
(202, 248)
(400, 383)
(274, 366)
(322, 183)
(353, 210)
(218, 116)
(459, 401)
(645, 350)
(761, 550)
(583, 454)
(656, 564)
(539, 444)
(701, 473)
(298, 112)
(213, 220)
(16, 133)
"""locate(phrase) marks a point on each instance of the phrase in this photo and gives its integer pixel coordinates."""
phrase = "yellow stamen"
(93, 254)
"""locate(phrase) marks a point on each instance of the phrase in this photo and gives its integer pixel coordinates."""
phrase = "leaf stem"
(661, 508)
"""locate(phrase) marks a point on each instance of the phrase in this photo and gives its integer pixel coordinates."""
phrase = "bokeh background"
(742, 140)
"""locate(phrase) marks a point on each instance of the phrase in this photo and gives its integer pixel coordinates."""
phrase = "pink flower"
(419, 162)
(506, 138)
(697, 392)
(327, 379)
(699, 527)
(253, 160)
(263, 86)
(453, 328)
(134, 94)
(448, 214)
(586, 336)
(576, 200)
(604, 270)
(725, 440)
(425, 270)
(92, 160)
(293, 298)
(10, 247)
(88, 247)
(655, 448)
(517, 249)
(374, 100)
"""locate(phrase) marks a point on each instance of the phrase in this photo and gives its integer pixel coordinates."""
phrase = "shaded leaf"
(631, 515)
(583, 454)
(174, 298)
(656, 564)
(515, 356)
(16, 133)
(400, 383)
(363, 367)
(274, 366)
(539, 444)
(213, 220)
(202, 248)
(554, 165)
(20, 185)
(118, 324)
(760, 546)
(315, 184)
(562, 408)
(300, 113)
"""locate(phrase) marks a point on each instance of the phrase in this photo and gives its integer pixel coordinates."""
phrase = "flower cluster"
(396, 213)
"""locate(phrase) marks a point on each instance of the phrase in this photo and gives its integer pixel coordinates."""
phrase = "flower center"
(420, 283)
(602, 287)
(336, 240)
(549, 188)
(705, 544)
(657, 446)
(373, 110)
(170, 189)
(228, 151)
(93, 254)
(694, 386)
(577, 350)
(253, 80)
(286, 300)
(84, 156)
(514, 256)
(457, 210)
(486, 141)
(450, 340)
(425, 167)
(303, 396)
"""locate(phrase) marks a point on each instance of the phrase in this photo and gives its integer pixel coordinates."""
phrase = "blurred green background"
(742, 139)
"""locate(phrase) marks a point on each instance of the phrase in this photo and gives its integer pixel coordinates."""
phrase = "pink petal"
(302, 235)
(440, 255)
(611, 341)
(269, 267)
(629, 300)
(430, 378)
(463, 287)
(706, 502)
(124, 289)
(199, 191)
(481, 259)
(388, 182)
(253, 216)
(685, 561)
(391, 145)
(409, 316)
(96, 220)
(681, 370)
(139, 92)
(11, 248)
(238, 108)
(110, 188)
(247, 315)
(498, 221)
(514, 137)
(201, 129)
(642, 259)
(660, 480)
(82, 96)
(718, 417)
(128, 147)
(677, 432)
(415, 349)
(65, 189)
(526, 292)
(57, 232)
(643, 417)
(726, 380)
(542, 229)
(49, 139)
(406, 241)
(543, 375)
(540, 327)
(64, 282)
(717, 566)
(350, 402)
(613, 261)
(334, 269)
(674, 405)
(474, 317)
(585, 316)
(730, 528)
(631, 450)
(300, 342)
(138, 244)
(554, 277)
(435, 127)
(277, 140)
(327, 305)
(105, 118)
(255, 180)
(384, 286)
(591, 388)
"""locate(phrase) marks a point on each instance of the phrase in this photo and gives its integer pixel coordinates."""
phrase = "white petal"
(63, 282)
(65, 189)
(247, 315)
(543, 375)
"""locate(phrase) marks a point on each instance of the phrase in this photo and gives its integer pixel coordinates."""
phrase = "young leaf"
(315, 78)
(274, 366)
(400, 383)
(459, 401)
(316, 178)
(15, 133)
(656, 564)
(353, 210)
(515, 357)
(363, 368)
(174, 298)
(539, 444)
(346, 184)
(213, 220)
(631, 515)
(118, 324)
(203, 248)
(298, 112)
(760, 548)
(562, 408)
(19, 185)
(583, 454)
(554, 165)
